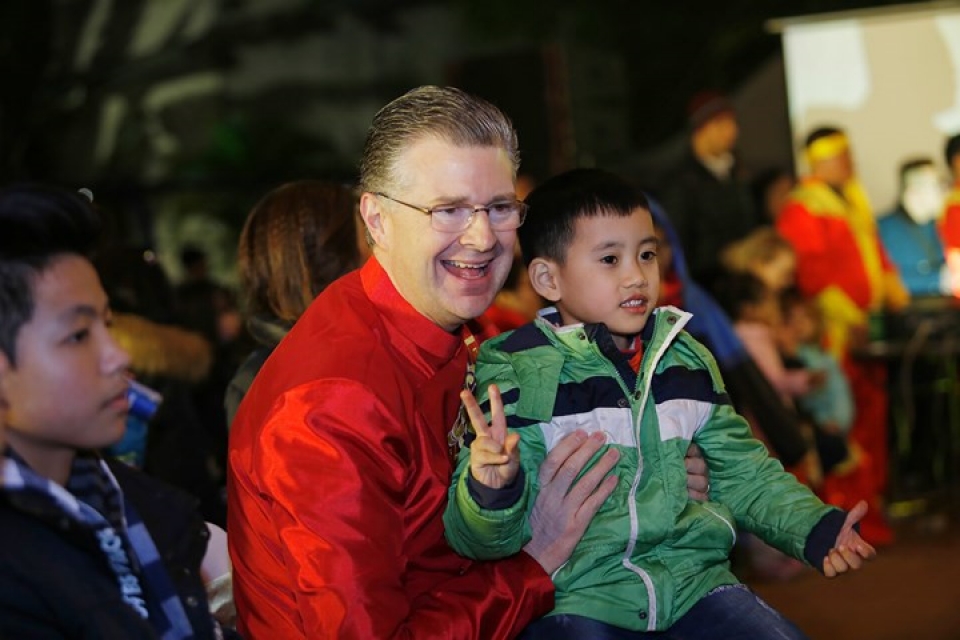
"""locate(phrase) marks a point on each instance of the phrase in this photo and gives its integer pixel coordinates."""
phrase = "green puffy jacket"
(651, 551)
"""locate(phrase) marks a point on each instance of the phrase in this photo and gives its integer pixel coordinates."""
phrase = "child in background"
(756, 313)
(652, 559)
(830, 404)
(765, 254)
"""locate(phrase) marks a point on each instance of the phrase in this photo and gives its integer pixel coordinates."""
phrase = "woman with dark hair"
(296, 240)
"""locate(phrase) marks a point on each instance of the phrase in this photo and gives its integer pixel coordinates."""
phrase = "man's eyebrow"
(500, 197)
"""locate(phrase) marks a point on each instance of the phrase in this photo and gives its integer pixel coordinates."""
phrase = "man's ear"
(543, 277)
(371, 211)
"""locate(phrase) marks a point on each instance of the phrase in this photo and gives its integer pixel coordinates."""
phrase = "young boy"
(79, 556)
(652, 559)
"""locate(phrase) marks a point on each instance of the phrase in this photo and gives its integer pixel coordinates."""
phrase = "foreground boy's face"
(68, 388)
(610, 274)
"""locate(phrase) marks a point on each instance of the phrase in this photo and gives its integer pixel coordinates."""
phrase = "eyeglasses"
(453, 218)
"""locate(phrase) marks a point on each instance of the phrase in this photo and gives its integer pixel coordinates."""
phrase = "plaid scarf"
(93, 500)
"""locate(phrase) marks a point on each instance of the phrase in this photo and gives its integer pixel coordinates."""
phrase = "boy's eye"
(609, 259)
(78, 336)
(648, 256)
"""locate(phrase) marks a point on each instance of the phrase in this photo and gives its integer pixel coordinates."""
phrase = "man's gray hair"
(447, 113)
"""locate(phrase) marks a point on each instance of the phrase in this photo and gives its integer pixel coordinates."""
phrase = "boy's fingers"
(856, 515)
(486, 458)
(511, 445)
(498, 423)
(477, 419)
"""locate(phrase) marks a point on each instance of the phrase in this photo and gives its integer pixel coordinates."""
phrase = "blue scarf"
(93, 499)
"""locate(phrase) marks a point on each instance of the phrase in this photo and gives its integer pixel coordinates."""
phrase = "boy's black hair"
(555, 206)
(37, 224)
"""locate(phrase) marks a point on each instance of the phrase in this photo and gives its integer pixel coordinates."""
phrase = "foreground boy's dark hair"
(555, 206)
(38, 224)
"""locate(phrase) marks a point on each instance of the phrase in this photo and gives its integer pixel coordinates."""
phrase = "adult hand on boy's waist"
(563, 510)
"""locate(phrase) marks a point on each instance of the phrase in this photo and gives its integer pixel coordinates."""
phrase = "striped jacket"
(651, 552)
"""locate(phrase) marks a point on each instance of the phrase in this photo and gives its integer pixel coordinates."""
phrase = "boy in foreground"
(652, 559)
(88, 548)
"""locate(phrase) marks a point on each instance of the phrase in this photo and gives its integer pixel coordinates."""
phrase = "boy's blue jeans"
(731, 612)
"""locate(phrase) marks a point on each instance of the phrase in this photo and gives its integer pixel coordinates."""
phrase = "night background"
(179, 114)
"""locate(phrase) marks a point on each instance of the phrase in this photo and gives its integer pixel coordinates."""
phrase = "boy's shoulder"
(528, 336)
(52, 579)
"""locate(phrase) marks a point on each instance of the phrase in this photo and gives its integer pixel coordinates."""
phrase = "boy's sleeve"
(764, 498)
(471, 529)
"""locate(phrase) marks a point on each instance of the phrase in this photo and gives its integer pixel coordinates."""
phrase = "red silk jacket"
(338, 479)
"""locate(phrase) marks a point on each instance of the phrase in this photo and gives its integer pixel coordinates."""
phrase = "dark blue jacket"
(915, 249)
(56, 583)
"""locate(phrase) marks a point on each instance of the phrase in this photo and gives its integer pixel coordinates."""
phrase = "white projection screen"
(889, 77)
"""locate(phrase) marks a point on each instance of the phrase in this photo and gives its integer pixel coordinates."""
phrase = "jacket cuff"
(496, 499)
(823, 537)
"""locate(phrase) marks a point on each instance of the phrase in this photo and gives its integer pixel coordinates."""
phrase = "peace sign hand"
(494, 454)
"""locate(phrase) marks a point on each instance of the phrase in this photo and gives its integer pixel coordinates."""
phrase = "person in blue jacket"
(909, 233)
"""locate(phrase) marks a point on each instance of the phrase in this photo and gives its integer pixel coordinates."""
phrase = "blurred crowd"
(784, 275)
(788, 278)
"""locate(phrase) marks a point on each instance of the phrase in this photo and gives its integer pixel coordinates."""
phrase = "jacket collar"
(410, 324)
(92, 495)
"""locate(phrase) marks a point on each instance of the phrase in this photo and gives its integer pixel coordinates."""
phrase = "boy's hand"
(850, 550)
(494, 455)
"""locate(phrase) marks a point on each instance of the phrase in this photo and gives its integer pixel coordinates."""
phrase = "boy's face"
(610, 274)
(67, 390)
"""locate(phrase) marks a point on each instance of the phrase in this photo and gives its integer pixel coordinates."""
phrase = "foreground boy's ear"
(543, 278)
(372, 213)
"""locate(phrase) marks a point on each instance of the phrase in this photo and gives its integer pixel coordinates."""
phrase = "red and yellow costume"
(950, 235)
(842, 264)
(339, 469)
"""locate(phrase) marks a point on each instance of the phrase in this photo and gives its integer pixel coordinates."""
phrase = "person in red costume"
(342, 450)
(950, 219)
(842, 264)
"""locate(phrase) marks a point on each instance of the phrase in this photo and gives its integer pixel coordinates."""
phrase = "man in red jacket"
(342, 451)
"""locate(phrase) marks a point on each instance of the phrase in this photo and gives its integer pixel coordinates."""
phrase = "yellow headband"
(827, 147)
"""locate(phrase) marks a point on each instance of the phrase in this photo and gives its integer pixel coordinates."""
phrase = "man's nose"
(478, 233)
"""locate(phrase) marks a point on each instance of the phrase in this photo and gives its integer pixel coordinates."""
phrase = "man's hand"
(562, 512)
(698, 480)
(850, 550)
(494, 455)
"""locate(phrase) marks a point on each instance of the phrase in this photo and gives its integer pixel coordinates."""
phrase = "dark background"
(296, 82)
